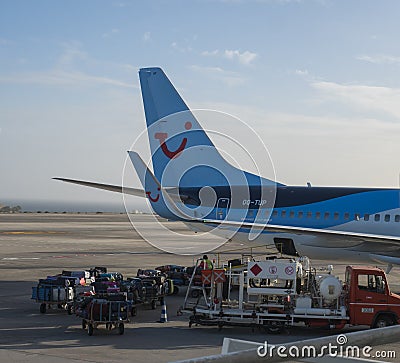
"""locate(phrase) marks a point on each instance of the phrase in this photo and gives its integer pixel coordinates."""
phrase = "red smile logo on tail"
(162, 136)
(154, 200)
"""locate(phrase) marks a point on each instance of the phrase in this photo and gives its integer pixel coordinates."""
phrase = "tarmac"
(39, 244)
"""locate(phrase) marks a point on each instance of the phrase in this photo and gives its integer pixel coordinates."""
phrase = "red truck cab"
(369, 300)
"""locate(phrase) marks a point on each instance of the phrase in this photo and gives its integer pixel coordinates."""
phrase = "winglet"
(142, 170)
(161, 200)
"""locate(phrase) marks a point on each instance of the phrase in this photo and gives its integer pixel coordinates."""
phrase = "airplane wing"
(337, 234)
(172, 192)
(376, 245)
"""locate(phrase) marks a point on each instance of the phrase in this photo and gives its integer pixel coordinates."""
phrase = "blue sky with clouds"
(318, 80)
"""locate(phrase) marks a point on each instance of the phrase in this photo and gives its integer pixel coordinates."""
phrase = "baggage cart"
(49, 295)
(112, 314)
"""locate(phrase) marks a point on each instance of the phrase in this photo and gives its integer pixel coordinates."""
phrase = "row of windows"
(336, 216)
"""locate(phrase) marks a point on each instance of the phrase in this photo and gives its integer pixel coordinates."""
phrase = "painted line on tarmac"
(19, 258)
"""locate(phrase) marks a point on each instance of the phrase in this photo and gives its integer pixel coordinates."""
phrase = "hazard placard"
(217, 275)
(206, 277)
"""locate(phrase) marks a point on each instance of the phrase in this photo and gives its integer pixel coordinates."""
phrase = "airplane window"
(377, 217)
(387, 217)
(275, 213)
(357, 216)
(326, 215)
(347, 216)
(318, 215)
(300, 215)
(291, 214)
(309, 214)
(336, 215)
(283, 213)
(397, 218)
(366, 217)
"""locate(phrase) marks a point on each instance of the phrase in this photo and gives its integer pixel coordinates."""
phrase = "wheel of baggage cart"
(43, 308)
(90, 329)
(121, 328)
(133, 311)
(84, 324)
(153, 304)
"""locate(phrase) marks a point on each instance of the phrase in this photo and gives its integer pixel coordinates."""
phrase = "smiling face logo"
(162, 136)
(153, 199)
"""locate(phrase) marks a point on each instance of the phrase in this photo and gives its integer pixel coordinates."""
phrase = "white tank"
(330, 287)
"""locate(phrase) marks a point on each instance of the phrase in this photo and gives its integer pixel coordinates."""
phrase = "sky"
(318, 81)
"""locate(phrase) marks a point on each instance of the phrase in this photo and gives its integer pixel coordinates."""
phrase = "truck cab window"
(373, 283)
(380, 285)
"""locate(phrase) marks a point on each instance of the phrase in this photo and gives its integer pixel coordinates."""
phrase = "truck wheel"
(42, 308)
(90, 329)
(274, 327)
(195, 294)
(121, 329)
(383, 321)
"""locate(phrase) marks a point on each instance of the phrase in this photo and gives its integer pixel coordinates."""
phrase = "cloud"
(379, 59)
(66, 71)
(228, 77)
(181, 49)
(301, 72)
(244, 58)
(120, 4)
(72, 52)
(4, 41)
(269, 1)
(375, 98)
(110, 33)
(207, 53)
(61, 78)
(146, 36)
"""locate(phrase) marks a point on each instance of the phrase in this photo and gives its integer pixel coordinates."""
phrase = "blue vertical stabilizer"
(182, 153)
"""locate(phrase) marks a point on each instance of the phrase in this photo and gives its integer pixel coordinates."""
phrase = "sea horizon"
(53, 206)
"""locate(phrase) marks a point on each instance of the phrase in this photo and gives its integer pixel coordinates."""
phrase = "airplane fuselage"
(360, 210)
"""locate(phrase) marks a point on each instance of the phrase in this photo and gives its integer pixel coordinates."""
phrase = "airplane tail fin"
(182, 153)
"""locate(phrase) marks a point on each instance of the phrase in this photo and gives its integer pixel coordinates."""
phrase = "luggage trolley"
(51, 294)
(113, 314)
